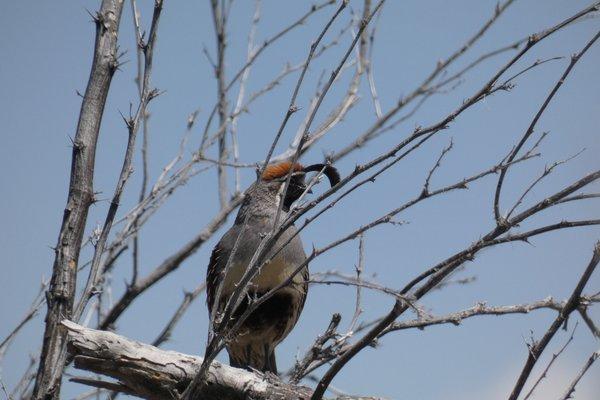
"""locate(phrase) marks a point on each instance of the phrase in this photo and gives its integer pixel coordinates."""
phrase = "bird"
(252, 347)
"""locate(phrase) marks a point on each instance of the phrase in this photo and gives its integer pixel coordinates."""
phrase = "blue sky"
(46, 55)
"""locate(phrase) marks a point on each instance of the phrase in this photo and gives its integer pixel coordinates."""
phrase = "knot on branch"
(502, 223)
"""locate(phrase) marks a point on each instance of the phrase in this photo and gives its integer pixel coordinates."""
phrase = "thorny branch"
(292, 107)
(424, 88)
(418, 133)
(61, 294)
(571, 389)
(316, 351)
(168, 265)
(439, 272)
(268, 42)
(217, 343)
(188, 298)
(220, 24)
(29, 315)
(574, 59)
(133, 122)
(554, 358)
(145, 132)
(319, 354)
(536, 348)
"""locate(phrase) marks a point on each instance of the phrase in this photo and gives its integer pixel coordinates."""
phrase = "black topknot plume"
(330, 172)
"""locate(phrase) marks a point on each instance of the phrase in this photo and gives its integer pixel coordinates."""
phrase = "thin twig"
(424, 87)
(170, 264)
(315, 350)
(359, 270)
(588, 321)
(241, 93)
(446, 267)
(29, 315)
(292, 107)
(220, 26)
(554, 357)
(537, 348)
(574, 59)
(145, 132)
(188, 299)
(571, 389)
(268, 42)
(547, 171)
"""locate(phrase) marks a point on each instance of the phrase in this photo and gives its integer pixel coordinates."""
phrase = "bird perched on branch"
(253, 345)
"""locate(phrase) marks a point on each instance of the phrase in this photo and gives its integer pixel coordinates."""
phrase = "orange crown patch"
(279, 170)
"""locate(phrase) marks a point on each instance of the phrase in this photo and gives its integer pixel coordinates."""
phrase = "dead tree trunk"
(151, 373)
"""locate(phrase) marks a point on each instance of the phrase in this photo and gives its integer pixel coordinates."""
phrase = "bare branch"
(96, 274)
(152, 373)
(220, 26)
(424, 88)
(571, 389)
(241, 94)
(554, 357)
(188, 299)
(477, 310)
(170, 264)
(579, 197)
(145, 131)
(547, 171)
(437, 164)
(359, 269)
(574, 59)
(588, 321)
(61, 295)
(316, 350)
(32, 312)
(268, 42)
(537, 348)
(292, 108)
(369, 69)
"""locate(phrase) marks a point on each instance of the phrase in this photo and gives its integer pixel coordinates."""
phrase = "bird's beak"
(330, 172)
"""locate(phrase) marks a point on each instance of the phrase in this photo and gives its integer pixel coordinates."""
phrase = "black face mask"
(298, 186)
(295, 190)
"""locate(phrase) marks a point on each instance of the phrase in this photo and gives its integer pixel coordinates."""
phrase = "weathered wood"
(153, 373)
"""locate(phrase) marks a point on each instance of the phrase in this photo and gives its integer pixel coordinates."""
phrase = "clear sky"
(46, 52)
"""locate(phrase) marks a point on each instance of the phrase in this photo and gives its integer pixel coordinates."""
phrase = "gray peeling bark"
(61, 294)
(151, 373)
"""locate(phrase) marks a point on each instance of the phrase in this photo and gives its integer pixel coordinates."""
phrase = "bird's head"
(275, 176)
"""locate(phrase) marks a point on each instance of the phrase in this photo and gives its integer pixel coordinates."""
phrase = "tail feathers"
(253, 358)
(271, 365)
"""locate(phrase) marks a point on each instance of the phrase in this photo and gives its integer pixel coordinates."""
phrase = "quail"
(253, 345)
